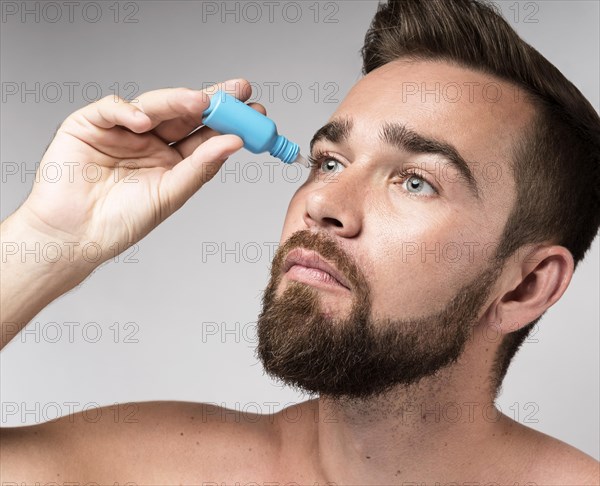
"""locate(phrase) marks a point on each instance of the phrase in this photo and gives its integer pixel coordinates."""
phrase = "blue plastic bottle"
(227, 114)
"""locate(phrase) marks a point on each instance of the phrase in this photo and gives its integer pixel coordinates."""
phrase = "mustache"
(328, 248)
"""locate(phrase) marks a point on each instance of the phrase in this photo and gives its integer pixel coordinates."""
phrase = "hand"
(112, 174)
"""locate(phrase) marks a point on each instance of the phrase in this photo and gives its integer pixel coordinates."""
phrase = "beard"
(357, 357)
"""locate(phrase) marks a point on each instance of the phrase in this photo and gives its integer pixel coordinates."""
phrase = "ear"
(534, 284)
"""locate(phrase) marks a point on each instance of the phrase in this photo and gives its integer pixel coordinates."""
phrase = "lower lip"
(313, 276)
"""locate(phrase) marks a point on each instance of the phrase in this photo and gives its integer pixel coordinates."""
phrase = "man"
(378, 334)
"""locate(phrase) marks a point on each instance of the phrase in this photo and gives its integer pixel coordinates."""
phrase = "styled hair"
(556, 161)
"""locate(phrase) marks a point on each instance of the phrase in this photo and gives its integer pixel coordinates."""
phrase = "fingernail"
(233, 84)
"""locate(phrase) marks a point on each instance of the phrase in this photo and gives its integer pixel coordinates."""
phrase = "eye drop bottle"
(227, 114)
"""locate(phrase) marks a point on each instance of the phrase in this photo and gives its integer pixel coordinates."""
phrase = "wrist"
(43, 251)
(35, 271)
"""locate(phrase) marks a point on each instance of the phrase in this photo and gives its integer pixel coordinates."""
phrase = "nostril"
(333, 221)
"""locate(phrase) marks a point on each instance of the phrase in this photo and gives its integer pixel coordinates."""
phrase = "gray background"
(173, 285)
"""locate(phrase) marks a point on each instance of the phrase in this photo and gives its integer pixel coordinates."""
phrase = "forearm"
(36, 269)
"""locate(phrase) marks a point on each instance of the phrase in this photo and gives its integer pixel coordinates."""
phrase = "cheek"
(293, 218)
(418, 263)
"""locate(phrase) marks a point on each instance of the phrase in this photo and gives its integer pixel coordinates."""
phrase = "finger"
(111, 111)
(182, 181)
(187, 146)
(175, 112)
(117, 145)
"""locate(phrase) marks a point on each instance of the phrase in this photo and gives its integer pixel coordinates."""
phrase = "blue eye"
(415, 184)
(325, 163)
(329, 165)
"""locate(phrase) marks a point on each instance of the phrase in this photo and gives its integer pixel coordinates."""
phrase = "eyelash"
(317, 159)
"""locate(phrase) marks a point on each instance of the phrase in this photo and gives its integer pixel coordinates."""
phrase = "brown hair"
(556, 162)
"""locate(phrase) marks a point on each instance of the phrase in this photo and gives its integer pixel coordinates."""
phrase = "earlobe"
(541, 278)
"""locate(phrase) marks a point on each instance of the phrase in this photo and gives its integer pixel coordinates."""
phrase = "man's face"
(407, 203)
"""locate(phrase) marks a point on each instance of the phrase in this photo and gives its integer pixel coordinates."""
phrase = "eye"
(416, 184)
(325, 163)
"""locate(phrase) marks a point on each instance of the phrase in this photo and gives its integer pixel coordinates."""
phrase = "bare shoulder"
(565, 464)
(145, 443)
(548, 460)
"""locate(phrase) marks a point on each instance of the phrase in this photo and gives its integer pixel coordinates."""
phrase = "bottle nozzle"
(302, 161)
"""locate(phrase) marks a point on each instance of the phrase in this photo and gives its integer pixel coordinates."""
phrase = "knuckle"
(184, 90)
(113, 99)
(74, 123)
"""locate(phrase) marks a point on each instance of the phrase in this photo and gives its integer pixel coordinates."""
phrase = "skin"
(355, 442)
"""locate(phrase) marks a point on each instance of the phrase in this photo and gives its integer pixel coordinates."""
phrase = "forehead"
(479, 114)
(441, 92)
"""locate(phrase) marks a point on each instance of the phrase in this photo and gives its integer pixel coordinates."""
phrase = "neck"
(433, 430)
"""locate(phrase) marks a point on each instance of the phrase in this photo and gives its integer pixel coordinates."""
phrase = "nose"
(336, 204)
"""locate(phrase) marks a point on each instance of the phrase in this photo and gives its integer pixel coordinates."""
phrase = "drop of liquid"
(301, 160)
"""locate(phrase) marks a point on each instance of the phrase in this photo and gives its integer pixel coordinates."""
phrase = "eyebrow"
(404, 138)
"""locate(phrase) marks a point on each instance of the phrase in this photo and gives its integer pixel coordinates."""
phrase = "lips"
(312, 259)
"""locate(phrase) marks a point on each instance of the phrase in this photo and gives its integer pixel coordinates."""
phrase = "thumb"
(184, 179)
